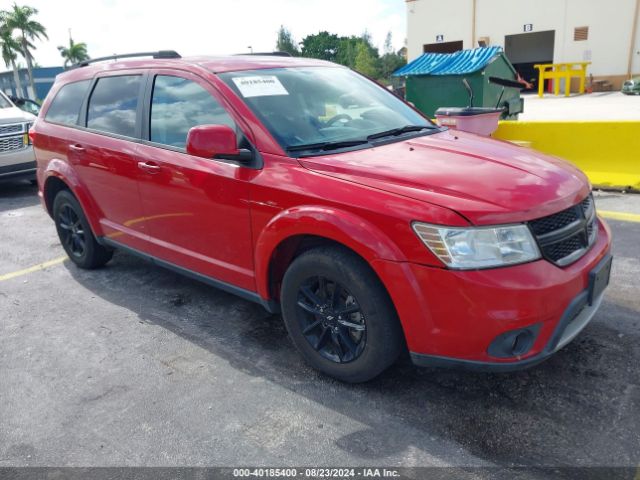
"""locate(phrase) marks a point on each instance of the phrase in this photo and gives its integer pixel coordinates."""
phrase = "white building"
(606, 33)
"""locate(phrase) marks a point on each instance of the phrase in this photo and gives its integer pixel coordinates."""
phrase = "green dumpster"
(434, 80)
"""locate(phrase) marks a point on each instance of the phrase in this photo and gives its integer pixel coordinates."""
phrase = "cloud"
(197, 27)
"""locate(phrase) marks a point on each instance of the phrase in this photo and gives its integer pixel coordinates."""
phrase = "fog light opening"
(514, 343)
(520, 343)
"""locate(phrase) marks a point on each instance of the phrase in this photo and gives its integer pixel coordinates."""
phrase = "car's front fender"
(338, 225)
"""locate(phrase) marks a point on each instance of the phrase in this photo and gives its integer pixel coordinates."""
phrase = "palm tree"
(74, 53)
(21, 19)
(9, 49)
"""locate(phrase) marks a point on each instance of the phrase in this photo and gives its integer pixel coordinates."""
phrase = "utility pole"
(634, 33)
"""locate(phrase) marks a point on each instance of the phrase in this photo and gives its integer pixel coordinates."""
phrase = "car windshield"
(309, 108)
(4, 101)
(28, 106)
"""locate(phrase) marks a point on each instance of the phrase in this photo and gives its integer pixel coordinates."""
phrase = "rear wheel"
(75, 233)
(339, 316)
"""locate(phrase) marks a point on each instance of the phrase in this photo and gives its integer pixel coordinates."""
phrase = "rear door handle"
(76, 148)
(149, 167)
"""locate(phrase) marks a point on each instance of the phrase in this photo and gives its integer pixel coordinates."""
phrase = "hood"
(15, 115)
(485, 180)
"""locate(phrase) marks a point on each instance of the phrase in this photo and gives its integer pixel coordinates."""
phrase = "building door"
(527, 49)
(442, 47)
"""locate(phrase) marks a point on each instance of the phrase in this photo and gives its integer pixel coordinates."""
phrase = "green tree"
(9, 47)
(365, 62)
(74, 53)
(21, 18)
(389, 63)
(347, 51)
(388, 45)
(390, 60)
(355, 52)
(323, 45)
(286, 43)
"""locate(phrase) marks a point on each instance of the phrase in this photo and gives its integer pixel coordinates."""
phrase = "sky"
(205, 27)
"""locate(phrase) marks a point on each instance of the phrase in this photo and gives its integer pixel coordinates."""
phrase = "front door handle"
(76, 148)
(149, 167)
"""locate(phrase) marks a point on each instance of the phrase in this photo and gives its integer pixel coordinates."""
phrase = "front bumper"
(18, 163)
(577, 316)
(450, 318)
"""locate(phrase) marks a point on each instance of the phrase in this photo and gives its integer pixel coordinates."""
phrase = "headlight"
(27, 127)
(479, 247)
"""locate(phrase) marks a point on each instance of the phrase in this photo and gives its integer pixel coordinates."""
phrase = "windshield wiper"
(353, 143)
(327, 145)
(399, 131)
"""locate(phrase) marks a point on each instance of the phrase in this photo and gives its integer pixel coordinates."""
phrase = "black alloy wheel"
(339, 315)
(331, 319)
(73, 233)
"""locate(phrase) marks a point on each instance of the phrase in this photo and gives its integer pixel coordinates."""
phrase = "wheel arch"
(60, 176)
(298, 229)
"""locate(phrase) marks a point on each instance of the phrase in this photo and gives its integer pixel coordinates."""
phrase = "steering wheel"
(341, 117)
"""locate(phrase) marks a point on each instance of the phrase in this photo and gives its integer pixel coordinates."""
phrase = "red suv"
(305, 187)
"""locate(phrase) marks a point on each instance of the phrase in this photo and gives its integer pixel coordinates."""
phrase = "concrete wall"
(428, 18)
(610, 27)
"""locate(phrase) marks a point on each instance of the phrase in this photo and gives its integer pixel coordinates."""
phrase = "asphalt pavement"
(133, 365)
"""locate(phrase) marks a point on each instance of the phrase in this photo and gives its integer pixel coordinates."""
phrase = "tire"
(353, 336)
(75, 234)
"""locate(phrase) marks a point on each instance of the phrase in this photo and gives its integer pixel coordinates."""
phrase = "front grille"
(564, 248)
(554, 222)
(8, 144)
(566, 236)
(13, 128)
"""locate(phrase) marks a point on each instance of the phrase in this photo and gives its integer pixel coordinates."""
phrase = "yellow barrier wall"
(607, 151)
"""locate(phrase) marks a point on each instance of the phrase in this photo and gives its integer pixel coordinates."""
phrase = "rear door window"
(179, 104)
(65, 107)
(113, 105)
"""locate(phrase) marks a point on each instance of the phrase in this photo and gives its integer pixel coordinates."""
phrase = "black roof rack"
(158, 54)
(270, 54)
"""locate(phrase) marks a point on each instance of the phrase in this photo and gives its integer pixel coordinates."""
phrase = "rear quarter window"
(65, 107)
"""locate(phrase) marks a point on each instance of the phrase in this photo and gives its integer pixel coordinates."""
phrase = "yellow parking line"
(35, 268)
(624, 216)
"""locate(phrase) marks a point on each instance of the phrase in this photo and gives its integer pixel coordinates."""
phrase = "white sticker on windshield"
(259, 86)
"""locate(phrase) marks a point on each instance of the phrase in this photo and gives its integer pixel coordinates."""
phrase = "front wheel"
(339, 316)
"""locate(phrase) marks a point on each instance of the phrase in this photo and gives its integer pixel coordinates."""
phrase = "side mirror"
(209, 141)
(216, 141)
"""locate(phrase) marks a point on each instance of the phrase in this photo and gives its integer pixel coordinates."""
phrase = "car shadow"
(578, 408)
(17, 194)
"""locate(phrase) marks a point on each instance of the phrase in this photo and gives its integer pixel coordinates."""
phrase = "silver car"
(16, 153)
